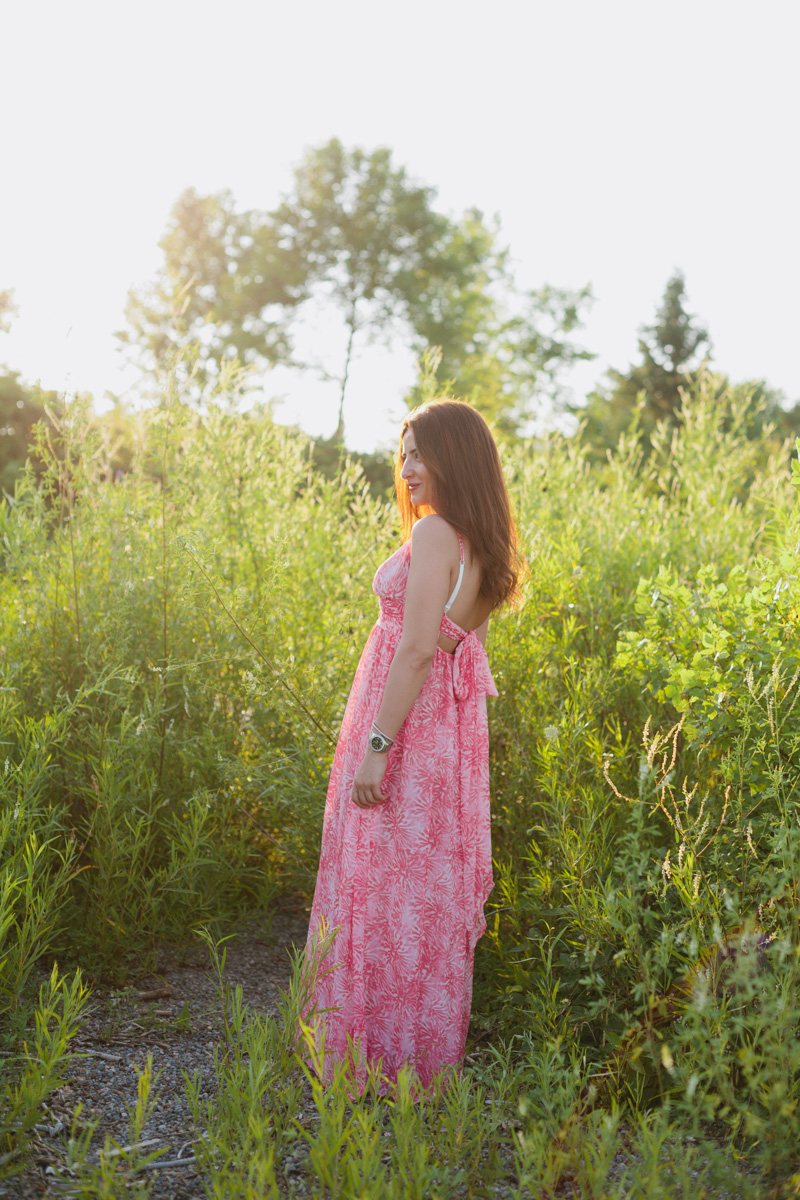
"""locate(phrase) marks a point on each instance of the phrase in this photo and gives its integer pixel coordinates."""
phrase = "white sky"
(616, 141)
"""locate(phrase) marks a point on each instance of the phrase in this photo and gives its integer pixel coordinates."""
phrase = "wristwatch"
(378, 741)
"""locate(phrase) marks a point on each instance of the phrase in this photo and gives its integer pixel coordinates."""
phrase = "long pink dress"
(402, 886)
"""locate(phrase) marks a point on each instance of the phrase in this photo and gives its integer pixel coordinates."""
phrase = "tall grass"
(177, 643)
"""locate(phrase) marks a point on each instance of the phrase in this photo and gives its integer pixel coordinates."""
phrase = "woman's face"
(415, 473)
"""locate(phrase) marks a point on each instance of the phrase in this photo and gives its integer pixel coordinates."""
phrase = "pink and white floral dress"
(403, 884)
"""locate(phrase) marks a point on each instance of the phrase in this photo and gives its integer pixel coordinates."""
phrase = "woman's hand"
(367, 783)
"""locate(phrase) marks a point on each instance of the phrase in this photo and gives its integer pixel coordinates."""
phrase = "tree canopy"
(372, 242)
(503, 350)
(357, 234)
(7, 310)
(224, 290)
(20, 408)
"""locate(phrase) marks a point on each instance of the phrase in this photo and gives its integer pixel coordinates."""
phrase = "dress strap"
(454, 592)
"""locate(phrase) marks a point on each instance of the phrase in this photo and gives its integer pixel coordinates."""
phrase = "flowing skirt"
(401, 886)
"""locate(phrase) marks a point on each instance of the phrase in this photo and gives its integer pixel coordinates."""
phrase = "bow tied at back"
(471, 673)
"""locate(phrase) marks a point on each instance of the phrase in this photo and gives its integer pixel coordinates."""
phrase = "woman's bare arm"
(427, 589)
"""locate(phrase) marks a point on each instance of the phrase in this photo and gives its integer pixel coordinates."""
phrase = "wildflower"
(681, 853)
(696, 886)
(749, 839)
(666, 867)
(552, 672)
(577, 572)
(551, 732)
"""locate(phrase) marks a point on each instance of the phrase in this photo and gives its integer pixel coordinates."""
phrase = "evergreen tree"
(672, 349)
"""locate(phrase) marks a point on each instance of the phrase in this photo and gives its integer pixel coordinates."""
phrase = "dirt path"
(180, 1029)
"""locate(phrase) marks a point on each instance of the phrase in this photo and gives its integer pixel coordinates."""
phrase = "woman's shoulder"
(434, 532)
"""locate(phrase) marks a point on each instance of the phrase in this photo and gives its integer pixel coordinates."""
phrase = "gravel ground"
(179, 1028)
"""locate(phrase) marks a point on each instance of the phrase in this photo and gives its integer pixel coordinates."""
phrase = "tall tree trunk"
(352, 325)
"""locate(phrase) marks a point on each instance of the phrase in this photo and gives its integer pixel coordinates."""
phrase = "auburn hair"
(469, 490)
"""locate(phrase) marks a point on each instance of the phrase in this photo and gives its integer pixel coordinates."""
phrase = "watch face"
(376, 742)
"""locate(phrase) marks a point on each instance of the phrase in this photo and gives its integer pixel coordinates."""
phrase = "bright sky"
(616, 141)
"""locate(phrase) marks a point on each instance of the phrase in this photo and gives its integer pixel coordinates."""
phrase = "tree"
(355, 232)
(8, 309)
(359, 236)
(502, 350)
(373, 243)
(671, 352)
(224, 290)
(20, 408)
(384, 255)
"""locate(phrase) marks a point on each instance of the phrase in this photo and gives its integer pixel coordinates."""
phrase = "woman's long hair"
(469, 490)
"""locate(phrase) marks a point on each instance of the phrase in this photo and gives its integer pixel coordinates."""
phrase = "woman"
(406, 863)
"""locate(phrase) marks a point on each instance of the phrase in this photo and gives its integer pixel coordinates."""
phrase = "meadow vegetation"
(177, 642)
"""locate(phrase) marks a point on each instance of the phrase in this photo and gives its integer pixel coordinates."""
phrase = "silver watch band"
(378, 741)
